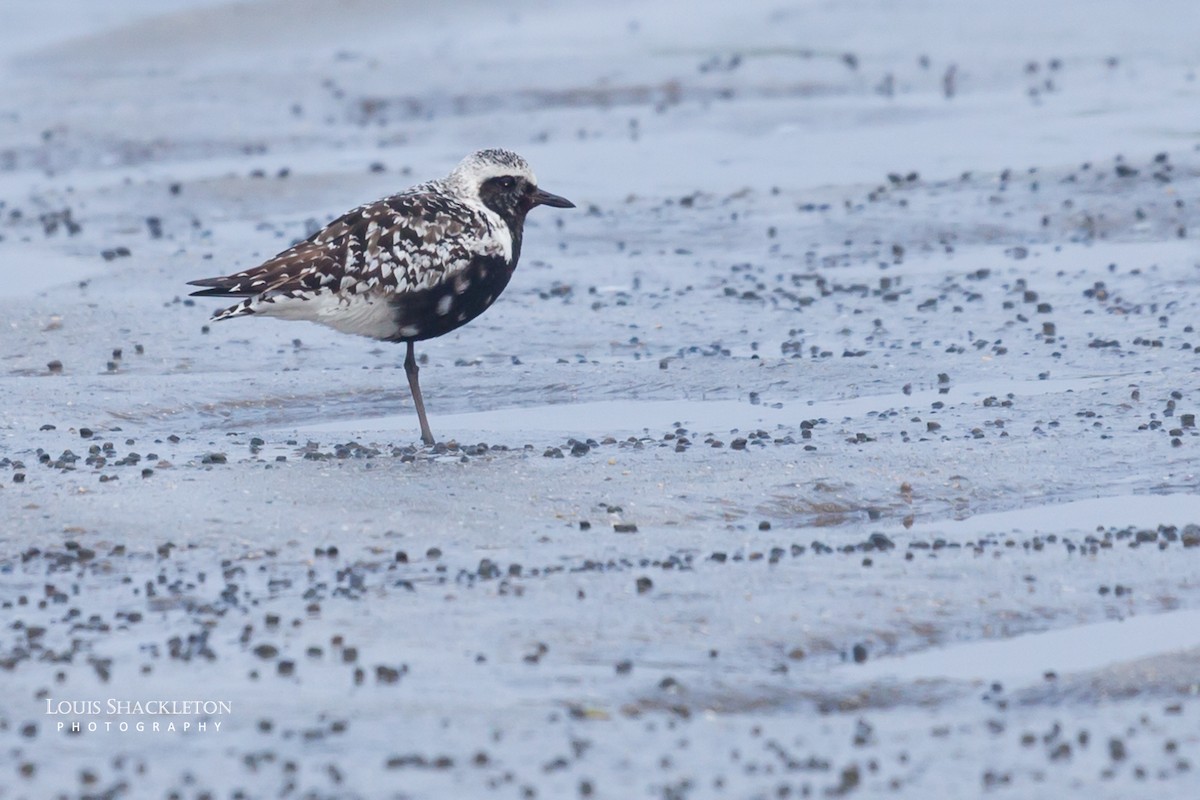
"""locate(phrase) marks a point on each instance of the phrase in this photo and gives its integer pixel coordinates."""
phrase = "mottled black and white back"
(405, 268)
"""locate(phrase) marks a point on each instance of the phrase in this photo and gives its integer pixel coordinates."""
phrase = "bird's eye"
(508, 182)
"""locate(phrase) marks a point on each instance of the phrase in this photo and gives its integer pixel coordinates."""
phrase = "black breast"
(458, 299)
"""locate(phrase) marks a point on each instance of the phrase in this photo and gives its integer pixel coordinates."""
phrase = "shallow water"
(1026, 659)
(633, 416)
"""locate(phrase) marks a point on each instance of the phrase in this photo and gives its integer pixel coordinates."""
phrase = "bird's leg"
(410, 368)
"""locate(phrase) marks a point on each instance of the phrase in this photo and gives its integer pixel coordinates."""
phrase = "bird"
(409, 267)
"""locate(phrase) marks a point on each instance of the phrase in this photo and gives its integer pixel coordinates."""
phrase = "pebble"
(266, 651)
(388, 675)
(879, 541)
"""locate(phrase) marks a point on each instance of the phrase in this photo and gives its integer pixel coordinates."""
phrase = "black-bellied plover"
(405, 268)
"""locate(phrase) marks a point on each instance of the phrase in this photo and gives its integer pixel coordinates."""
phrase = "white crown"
(483, 165)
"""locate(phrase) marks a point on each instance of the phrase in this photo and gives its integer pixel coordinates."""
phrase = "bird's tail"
(228, 286)
(242, 309)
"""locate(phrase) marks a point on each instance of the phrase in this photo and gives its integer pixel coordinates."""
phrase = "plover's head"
(502, 181)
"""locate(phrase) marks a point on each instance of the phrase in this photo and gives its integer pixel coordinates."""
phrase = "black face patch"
(509, 196)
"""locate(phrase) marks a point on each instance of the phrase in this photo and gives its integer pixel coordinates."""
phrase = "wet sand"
(842, 442)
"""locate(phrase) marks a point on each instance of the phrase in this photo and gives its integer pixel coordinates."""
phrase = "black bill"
(541, 198)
